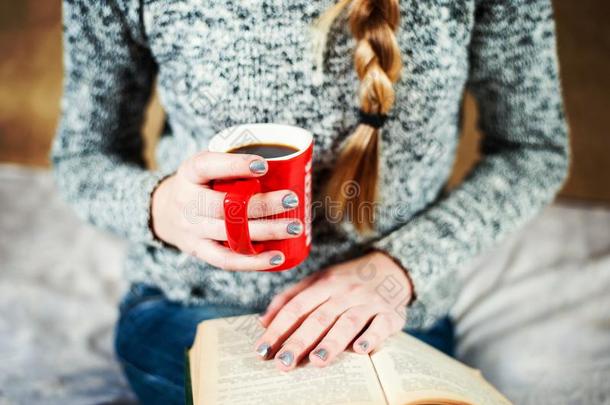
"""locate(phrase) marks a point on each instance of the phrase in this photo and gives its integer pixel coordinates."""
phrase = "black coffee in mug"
(267, 151)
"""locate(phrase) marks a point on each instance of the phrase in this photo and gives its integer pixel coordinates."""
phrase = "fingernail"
(290, 201)
(258, 166)
(364, 345)
(277, 259)
(321, 353)
(263, 350)
(294, 228)
(286, 358)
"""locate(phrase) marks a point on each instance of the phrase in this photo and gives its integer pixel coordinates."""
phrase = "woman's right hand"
(188, 214)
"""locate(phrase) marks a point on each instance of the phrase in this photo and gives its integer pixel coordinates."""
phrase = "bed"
(533, 314)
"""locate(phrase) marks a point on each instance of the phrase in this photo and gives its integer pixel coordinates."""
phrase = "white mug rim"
(263, 132)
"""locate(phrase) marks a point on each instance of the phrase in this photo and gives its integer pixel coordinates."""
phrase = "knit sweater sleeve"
(97, 154)
(514, 77)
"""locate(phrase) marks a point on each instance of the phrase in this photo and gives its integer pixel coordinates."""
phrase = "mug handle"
(236, 215)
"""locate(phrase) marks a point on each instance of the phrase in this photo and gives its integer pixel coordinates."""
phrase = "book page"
(231, 373)
(411, 372)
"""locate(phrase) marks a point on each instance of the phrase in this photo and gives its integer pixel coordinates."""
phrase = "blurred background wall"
(31, 71)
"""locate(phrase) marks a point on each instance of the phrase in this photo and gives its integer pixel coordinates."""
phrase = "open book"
(222, 368)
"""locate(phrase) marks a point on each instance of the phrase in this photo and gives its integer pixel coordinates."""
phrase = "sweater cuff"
(138, 212)
(418, 248)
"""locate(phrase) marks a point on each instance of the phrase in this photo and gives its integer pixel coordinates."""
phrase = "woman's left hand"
(322, 314)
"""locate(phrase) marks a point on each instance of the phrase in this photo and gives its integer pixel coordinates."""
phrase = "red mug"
(290, 172)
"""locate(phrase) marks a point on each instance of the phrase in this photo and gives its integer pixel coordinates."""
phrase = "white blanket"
(533, 314)
(59, 284)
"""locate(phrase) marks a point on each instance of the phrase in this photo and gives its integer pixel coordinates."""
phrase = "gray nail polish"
(263, 350)
(258, 166)
(275, 260)
(286, 358)
(294, 228)
(321, 353)
(364, 345)
(290, 201)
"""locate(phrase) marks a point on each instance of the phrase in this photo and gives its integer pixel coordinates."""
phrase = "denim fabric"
(153, 333)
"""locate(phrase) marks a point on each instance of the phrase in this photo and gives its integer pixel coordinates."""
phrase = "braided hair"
(378, 64)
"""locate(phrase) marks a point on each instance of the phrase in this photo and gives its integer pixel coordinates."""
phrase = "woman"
(380, 84)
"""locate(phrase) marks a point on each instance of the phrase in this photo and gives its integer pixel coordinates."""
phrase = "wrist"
(388, 262)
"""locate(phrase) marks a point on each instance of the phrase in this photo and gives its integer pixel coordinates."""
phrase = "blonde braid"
(378, 64)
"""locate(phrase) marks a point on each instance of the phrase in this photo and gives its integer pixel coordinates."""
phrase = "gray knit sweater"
(221, 63)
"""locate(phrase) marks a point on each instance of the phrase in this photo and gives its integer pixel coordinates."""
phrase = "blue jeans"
(153, 333)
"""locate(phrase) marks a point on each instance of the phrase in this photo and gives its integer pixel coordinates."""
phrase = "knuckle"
(379, 299)
(296, 342)
(273, 230)
(274, 233)
(322, 318)
(259, 206)
(355, 287)
(294, 308)
(188, 219)
(279, 234)
(337, 304)
(271, 335)
(386, 320)
(237, 165)
(266, 204)
(352, 319)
